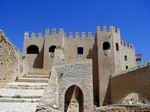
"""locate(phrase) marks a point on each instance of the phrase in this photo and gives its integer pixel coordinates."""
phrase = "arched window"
(117, 47)
(106, 46)
(32, 49)
(80, 50)
(52, 49)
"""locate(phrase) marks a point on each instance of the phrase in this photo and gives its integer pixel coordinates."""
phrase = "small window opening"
(80, 50)
(126, 67)
(125, 58)
(106, 46)
(52, 49)
(117, 47)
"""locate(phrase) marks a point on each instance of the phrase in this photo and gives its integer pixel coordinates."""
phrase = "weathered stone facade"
(82, 73)
(10, 61)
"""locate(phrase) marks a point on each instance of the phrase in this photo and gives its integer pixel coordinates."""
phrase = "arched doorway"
(74, 99)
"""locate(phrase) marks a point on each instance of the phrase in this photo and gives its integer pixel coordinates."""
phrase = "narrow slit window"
(117, 47)
(125, 58)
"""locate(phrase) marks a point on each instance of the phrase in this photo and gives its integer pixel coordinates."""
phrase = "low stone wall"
(124, 108)
(10, 61)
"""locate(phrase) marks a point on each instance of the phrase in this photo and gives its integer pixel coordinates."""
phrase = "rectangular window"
(80, 50)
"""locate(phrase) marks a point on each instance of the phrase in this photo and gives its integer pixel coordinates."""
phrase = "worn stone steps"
(36, 76)
(21, 92)
(18, 107)
(27, 84)
(31, 100)
(36, 80)
(24, 85)
(24, 94)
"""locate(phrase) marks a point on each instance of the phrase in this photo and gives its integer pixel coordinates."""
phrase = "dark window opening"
(126, 67)
(117, 47)
(33, 49)
(52, 49)
(80, 50)
(125, 58)
(106, 46)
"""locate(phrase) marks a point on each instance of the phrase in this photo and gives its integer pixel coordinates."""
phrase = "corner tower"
(108, 42)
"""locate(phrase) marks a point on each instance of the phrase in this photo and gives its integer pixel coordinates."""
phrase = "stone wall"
(65, 75)
(10, 61)
(133, 81)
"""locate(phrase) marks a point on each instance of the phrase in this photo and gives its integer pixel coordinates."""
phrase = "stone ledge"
(32, 100)
(124, 108)
(138, 67)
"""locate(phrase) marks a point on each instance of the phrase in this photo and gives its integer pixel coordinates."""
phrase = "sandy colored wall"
(134, 80)
(34, 60)
(103, 66)
(10, 61)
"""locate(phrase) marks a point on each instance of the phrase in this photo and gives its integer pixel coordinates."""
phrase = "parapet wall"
(126, 44)
(10, 61)
(33, 38)
(69, 35)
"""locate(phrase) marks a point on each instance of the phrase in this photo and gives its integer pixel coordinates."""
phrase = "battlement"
(40, 35)
(53, 31)
(108, 29)
(78, 35)
(32, 35)
(71, 35)
(126, 44)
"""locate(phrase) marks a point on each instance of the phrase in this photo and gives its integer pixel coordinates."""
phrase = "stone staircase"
(24, 94)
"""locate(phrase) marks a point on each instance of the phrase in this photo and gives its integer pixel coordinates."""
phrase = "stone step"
(22, 85)
(39, 71)
(37, 80)
(20, 100)
(17, 107)
(4, 92)
(27, 84)
(24, 97)
(36, 76)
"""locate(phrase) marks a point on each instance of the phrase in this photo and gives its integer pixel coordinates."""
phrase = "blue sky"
(131, 16)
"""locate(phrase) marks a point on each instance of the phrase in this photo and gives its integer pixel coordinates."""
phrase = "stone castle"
(66, 72)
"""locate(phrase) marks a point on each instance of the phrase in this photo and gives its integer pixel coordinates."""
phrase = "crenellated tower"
(33, 50)
(53, 39)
